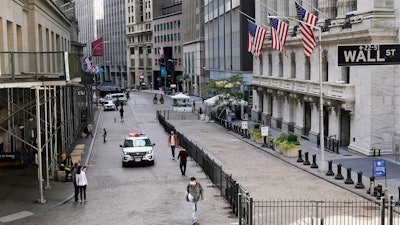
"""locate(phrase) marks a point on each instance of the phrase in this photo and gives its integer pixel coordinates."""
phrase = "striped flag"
(307, 28)
(256, 39)
(279, 30)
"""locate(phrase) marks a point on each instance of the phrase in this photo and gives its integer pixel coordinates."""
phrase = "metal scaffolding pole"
(46, 139)
(41, 199)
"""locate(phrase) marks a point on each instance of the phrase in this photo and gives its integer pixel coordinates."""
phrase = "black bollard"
(271, 144)
(300, 159)
(314, 161)
(306, 162)
(379, 152)
(339, 175)
(330, 171)
(264, 145)
(348, 179)
(359, 184)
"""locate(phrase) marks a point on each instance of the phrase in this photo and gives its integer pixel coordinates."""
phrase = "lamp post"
(323, 164)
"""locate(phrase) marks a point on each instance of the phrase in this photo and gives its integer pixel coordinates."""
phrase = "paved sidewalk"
(267, 174)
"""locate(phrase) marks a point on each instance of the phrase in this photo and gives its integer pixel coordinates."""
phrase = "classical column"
(328, 7)
(344, 6)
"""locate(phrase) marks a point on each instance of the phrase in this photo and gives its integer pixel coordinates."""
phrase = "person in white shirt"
(81, 182)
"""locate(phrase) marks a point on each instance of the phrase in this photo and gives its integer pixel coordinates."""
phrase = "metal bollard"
(300, 159)
(314, 161)
(330, 171)
(359, 184)
(379, 152)
(339, 175)
(306, 162)
(348, 179)
(371, 189)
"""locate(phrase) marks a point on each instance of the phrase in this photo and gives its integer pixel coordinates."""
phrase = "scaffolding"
(43, 106)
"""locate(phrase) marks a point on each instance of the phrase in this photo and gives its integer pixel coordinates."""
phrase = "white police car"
(137, 148)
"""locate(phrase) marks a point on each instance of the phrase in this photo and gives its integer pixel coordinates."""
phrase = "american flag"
(279, 30)
(307, 28)
(256, 39)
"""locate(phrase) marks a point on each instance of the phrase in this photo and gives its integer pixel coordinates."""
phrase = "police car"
(137, 148)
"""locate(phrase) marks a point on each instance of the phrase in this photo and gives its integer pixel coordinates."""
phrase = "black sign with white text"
(368, 54)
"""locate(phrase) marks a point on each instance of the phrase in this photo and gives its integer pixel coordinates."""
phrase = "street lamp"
(321, 100)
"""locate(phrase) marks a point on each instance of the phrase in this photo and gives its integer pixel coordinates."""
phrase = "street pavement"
(263, 172)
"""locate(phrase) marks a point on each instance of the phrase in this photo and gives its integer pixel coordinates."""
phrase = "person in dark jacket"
(183, 154)
(194, 193)
(76, 189)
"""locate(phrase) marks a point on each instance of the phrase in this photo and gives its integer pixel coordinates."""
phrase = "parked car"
(109, 105)
(137, 148)
(117, 98)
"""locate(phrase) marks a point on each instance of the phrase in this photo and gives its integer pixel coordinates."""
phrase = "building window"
(132, 49)
(346, 74)
(325, 69)
(148, 49)
(280, 65)
(292, 65)
(140, 50)
(270, 64)
(307, 69)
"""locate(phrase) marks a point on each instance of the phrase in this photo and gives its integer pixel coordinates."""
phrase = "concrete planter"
(278, 148)
(258, 140)
(292, 152)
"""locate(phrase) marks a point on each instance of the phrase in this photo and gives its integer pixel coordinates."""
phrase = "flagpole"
(323, 164)
(244, 14)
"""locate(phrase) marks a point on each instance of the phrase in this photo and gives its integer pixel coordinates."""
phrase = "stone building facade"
(360, 103)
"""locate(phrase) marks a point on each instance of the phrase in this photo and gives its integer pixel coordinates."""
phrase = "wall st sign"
(368, 54)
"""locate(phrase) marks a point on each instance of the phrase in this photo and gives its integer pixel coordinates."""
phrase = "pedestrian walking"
(81, 182)
(172, 142)
(194, 193)
(183, 154)
(194, 106)
(76, 189)
(104, 135)
(121, 113)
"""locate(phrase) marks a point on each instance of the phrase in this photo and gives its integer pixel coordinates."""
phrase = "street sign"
(244, 125)
(264, 131)
(368, 54)
(379, 168)
(162, 70)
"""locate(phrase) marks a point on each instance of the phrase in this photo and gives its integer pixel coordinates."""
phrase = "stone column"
(299, 123)
(344, 6)
(314, 131)
(327, 7)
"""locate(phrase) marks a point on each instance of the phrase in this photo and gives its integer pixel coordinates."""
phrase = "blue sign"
(162, 69)
(379, 168)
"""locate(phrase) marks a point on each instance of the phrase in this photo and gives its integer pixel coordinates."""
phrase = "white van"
(115, 97)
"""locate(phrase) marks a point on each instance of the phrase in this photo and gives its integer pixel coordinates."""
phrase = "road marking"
(15, 216)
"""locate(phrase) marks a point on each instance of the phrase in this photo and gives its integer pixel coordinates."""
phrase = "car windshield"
(137, 143)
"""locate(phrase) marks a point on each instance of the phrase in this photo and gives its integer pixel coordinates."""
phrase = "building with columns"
(360, 103)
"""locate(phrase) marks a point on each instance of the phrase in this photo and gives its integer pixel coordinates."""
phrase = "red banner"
(97, 47)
